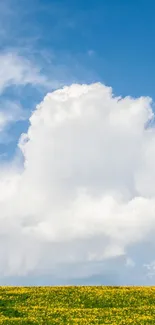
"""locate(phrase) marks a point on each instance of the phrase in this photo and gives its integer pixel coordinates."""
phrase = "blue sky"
(113, 40)
(45, 45)
(108, 41)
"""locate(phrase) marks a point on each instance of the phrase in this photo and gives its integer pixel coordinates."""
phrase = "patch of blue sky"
(79, 41)
(120, 34)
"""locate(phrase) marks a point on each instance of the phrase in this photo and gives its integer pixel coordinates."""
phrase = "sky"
(77, 142)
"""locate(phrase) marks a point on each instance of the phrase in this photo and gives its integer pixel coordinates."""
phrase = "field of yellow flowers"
(77, 305)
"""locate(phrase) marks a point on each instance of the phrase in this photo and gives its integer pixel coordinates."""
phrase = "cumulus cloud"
(84, 201)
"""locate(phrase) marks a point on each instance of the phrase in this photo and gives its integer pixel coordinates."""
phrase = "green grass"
(77, 305)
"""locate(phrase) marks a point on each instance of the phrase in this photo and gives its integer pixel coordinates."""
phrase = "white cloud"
(10, 112)
(86, 194)
(17, 70)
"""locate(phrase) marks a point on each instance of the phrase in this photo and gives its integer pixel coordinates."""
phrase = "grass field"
(77, 305)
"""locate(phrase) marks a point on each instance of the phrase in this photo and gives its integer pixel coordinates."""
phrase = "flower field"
(77, 305)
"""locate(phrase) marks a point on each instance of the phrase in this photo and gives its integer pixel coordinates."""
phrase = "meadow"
(77, 305)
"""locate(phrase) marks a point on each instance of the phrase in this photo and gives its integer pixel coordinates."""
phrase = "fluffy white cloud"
(86, 195)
